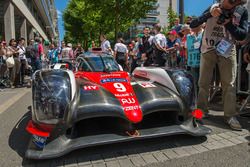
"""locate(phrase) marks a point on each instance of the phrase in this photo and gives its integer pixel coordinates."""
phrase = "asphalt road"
(221, 148)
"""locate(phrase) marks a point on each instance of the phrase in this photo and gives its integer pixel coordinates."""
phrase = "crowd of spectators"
(180, 47)
(18, 61)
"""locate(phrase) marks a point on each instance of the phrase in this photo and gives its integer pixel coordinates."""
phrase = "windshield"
(97, 63)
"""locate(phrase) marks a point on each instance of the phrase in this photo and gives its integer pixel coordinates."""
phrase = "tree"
(81, 22)
(86, 19)
(172, 15)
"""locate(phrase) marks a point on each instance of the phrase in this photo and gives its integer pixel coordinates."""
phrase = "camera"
(237, 12)
(226, 14)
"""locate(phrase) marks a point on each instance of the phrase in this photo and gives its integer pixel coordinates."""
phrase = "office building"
(27, 19)
(157, 15)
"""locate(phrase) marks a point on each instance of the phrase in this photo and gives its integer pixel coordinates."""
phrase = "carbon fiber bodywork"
(103, 103)
(63, 145)
(153, 95)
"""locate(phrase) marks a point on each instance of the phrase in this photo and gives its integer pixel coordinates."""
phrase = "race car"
(98, 104)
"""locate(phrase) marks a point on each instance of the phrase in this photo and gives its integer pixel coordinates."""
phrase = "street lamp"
(181, 11)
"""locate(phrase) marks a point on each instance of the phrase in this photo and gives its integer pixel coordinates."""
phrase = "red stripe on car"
(118, 83)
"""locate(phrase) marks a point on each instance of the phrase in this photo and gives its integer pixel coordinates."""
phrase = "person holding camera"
(226, 22)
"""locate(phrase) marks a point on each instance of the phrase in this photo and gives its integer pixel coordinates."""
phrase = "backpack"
(30, 52)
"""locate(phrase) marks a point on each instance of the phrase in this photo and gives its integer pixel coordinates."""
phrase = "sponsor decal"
(131, 108)
(122, 95)
(39, 141)
(147, 85)
(111, 75)
(128, 101)
(87, 88)
(113, 80)
(141, 73)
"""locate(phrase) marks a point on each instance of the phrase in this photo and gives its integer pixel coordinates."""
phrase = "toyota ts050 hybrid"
(98, 103)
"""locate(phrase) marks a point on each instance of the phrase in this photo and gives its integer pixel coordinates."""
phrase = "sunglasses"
(233, 2)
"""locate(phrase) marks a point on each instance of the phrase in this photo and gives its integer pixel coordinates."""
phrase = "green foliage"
(172, 15)
(186, 17)
(165, 30)
(87, 19)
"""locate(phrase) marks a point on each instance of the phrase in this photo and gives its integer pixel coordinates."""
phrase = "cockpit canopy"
(97, 62)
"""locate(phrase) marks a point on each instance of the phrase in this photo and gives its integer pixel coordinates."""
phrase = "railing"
(149, 20)
(155, 4)
(153, 12)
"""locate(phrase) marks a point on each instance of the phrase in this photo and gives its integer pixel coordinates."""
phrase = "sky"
(191, 7)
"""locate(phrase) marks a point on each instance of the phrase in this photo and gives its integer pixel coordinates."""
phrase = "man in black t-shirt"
(146, 48)
(31, 55)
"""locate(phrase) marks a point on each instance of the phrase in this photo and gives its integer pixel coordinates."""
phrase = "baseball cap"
(173, 32)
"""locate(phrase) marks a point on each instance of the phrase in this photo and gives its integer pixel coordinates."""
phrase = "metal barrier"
(239, 80)
(215, 85)
(171, 59)
(4, 74)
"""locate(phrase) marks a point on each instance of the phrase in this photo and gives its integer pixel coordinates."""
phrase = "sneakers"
(233, 123)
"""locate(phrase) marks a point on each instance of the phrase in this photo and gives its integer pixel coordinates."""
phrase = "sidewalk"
(10, 96)
(6, 94)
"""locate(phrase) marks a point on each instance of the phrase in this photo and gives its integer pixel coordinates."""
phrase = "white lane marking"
(12, 100)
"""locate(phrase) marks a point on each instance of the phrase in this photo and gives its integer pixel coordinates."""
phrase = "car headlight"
(185, 85)
(51, 96)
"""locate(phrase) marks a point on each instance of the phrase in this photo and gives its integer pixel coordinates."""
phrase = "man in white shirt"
(160, 43)
(23, 60)
(105, 45)
(67, 52)
(121, 53)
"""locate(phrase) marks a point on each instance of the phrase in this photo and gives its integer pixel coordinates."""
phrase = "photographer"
(226, 22)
